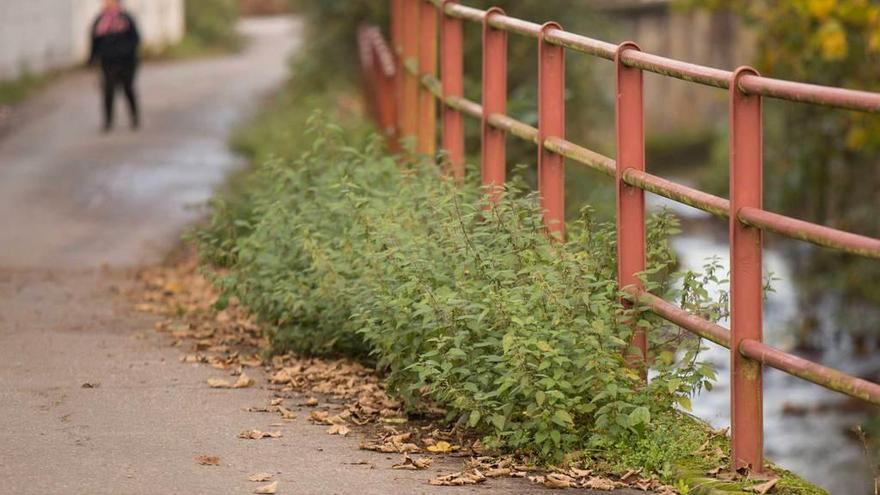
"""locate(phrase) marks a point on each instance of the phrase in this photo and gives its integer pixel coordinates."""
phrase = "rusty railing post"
(385, 72)
(630, 131)
(369, 72)
(746, 282)
(452, 72)
(493, 153)
(427, 133)
(551, 123)
(409, 63)
(396, 15)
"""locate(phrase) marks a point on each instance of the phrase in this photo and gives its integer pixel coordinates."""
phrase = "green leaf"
(474, 418)
(540, 397)
(562, 418)
(639, 416)
(498, 421)
(685, 403)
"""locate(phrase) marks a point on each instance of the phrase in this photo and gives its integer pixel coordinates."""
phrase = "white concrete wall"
(38, 35)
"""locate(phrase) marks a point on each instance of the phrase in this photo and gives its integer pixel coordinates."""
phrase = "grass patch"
(210, 30)
(15, 91)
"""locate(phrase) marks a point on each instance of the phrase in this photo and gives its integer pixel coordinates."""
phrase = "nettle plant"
(470, 305)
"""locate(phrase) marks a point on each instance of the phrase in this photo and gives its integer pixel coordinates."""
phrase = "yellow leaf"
(442, 447)
(856, 138)
(832, 40)
(874, 40)
(820, 9)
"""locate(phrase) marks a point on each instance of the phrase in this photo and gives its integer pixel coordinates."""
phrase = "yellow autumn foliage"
(821, 9)
(831, 39)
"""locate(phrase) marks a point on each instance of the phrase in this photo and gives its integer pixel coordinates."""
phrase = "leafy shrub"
(331, 27)
(523, 338)
(210, 27)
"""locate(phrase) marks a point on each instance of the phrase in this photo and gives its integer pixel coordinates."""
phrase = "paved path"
(81, 210)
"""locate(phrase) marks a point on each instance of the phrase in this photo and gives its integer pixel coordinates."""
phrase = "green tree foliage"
(212, 23)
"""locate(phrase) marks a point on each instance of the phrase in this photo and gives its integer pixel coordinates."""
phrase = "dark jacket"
(119, 45)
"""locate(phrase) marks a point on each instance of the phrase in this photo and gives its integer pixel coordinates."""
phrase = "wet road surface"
(72, 196)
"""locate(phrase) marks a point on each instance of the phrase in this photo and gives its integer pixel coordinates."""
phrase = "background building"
(40, 35)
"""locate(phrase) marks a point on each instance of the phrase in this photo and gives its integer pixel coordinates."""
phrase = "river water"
(804, 431)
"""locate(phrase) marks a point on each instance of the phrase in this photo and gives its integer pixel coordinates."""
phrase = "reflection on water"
(814, 444)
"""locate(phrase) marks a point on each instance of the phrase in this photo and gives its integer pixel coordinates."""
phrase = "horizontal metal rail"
(750, 84)
(672, 313)
(714, 205)
(810, 232)
(416, 49)
(807, 370)
(812, 372)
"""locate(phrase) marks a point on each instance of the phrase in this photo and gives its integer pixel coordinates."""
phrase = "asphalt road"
(80, 212)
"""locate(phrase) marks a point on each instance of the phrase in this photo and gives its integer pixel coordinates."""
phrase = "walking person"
(115, 42)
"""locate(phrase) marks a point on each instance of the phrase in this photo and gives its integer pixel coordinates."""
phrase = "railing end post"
(746, 278)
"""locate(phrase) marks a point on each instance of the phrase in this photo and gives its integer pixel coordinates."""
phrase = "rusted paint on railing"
(512, 126)
(631, 243)
(584, 156)
(380, 76)
(709, 203)
(494, 147)
(810, 232)
(672, 313)
(551, 123)
(452, 68)
(710, 76)
(812, 372)
(746, 276)
(744, 212)
(811, 93)
(426, 142)
(409, 124)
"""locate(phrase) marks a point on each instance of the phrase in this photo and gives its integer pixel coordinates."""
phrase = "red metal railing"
(416, 91)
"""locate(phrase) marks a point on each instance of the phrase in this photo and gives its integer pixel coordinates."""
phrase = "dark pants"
(119, 74)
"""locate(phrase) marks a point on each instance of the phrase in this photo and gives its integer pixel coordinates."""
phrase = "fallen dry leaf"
(286, 413)
(269, 489)
(257, 434)
(763, 488)
(320, 417)
(469, 477)
(340, 430)
(442, 447)
(253, 361)
(312, 402)
(208, 460)
(413, 464)
(260, 477)
(243, 381)
(557, 480)
(599, 483)
(218, 383)
(91, 385)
